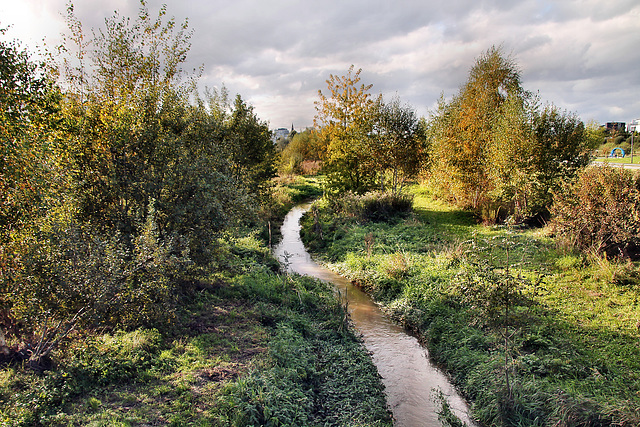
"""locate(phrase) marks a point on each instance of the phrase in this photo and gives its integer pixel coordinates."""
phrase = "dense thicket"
(115, 184)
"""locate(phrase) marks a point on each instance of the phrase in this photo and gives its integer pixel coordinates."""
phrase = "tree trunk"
(4, 349)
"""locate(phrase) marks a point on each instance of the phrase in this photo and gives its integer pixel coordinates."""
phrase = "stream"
(407, 373)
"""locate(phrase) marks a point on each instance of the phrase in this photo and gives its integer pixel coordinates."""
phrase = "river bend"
(407, 373)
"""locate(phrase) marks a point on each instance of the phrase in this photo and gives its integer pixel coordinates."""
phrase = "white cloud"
(580, 54)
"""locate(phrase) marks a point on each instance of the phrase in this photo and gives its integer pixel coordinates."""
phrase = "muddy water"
(406, 371)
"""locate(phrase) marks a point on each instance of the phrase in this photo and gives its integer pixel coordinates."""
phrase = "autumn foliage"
(599, 212)
(496, 151)
(117, 180)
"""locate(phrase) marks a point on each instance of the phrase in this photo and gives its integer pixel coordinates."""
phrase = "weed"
(445, 414)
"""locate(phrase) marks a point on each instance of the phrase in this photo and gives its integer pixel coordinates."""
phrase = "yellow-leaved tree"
(344, 120)
(496, 151)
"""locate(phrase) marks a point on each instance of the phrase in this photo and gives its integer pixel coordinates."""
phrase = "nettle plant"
(494, 284)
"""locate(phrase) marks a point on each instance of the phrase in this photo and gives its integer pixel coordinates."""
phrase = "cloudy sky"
(581, 55)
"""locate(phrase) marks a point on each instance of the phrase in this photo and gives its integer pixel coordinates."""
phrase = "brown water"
(408, 375)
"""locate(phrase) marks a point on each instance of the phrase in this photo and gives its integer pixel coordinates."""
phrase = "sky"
(581, 55)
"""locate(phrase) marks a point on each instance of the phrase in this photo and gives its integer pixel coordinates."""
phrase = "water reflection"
(403, 363)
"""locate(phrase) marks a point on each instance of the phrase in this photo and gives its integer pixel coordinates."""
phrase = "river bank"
(531, 334)
(411, 382)
(249, 346)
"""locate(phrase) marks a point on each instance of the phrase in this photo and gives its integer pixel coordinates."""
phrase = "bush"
(373, 206)
(71, 276)
(600, 212)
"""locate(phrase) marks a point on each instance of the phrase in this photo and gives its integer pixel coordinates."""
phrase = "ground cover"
(532, 334)
(250, 345)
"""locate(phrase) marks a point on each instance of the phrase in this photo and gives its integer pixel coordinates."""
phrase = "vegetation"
(135, 287)
(344, 120)
(606, 140)
(366, 143)
(302, 155)
(248, 346)
(136, 217)
(496, 151)
(531, 333)
(599, 212)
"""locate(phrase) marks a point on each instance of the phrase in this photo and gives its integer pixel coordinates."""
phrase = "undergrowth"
(253, 348)
(249, 346)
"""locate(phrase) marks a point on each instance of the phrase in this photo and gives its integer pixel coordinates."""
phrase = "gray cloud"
(580, 55)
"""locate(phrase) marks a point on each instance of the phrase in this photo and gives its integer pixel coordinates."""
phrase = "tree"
(29, 107)
(463, 128)
(304, 147)
(344, 119)
(496, 151)
(396, 142)
(146, 180)
(126, 116)
(253, 154)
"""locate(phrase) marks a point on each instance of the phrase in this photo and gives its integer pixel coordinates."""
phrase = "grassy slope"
(573, 344)
(249, 346)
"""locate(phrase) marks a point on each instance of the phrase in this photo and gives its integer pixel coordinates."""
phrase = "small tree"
(29, 117)
(253, 154)
(304, 147)
(344, 119)
(396, 142)
(29, 113)
(463, 129)
(496, 151)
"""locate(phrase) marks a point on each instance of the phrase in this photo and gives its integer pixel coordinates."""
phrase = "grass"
(531, 334)
(251, 346)
(255, 348)
(626, 159)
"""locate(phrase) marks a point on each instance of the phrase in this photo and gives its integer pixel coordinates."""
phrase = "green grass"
(571, 355)
(626, 159)
(250, 346)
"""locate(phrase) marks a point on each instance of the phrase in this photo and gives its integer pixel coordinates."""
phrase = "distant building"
(616, 126)
(280, 133)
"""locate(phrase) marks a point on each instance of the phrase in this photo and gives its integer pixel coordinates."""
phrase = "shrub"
(600, 212)
(71, 276)
(373, 206)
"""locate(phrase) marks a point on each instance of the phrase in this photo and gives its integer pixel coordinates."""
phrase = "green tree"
(147, 181)
(253, 154)
(127, 116)
(561, 148)
(304, 146)
(29, 112)
(29, 116)
(344, 120)
(397, 142)
(596, 134)
(463, 129)
(496, 151)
